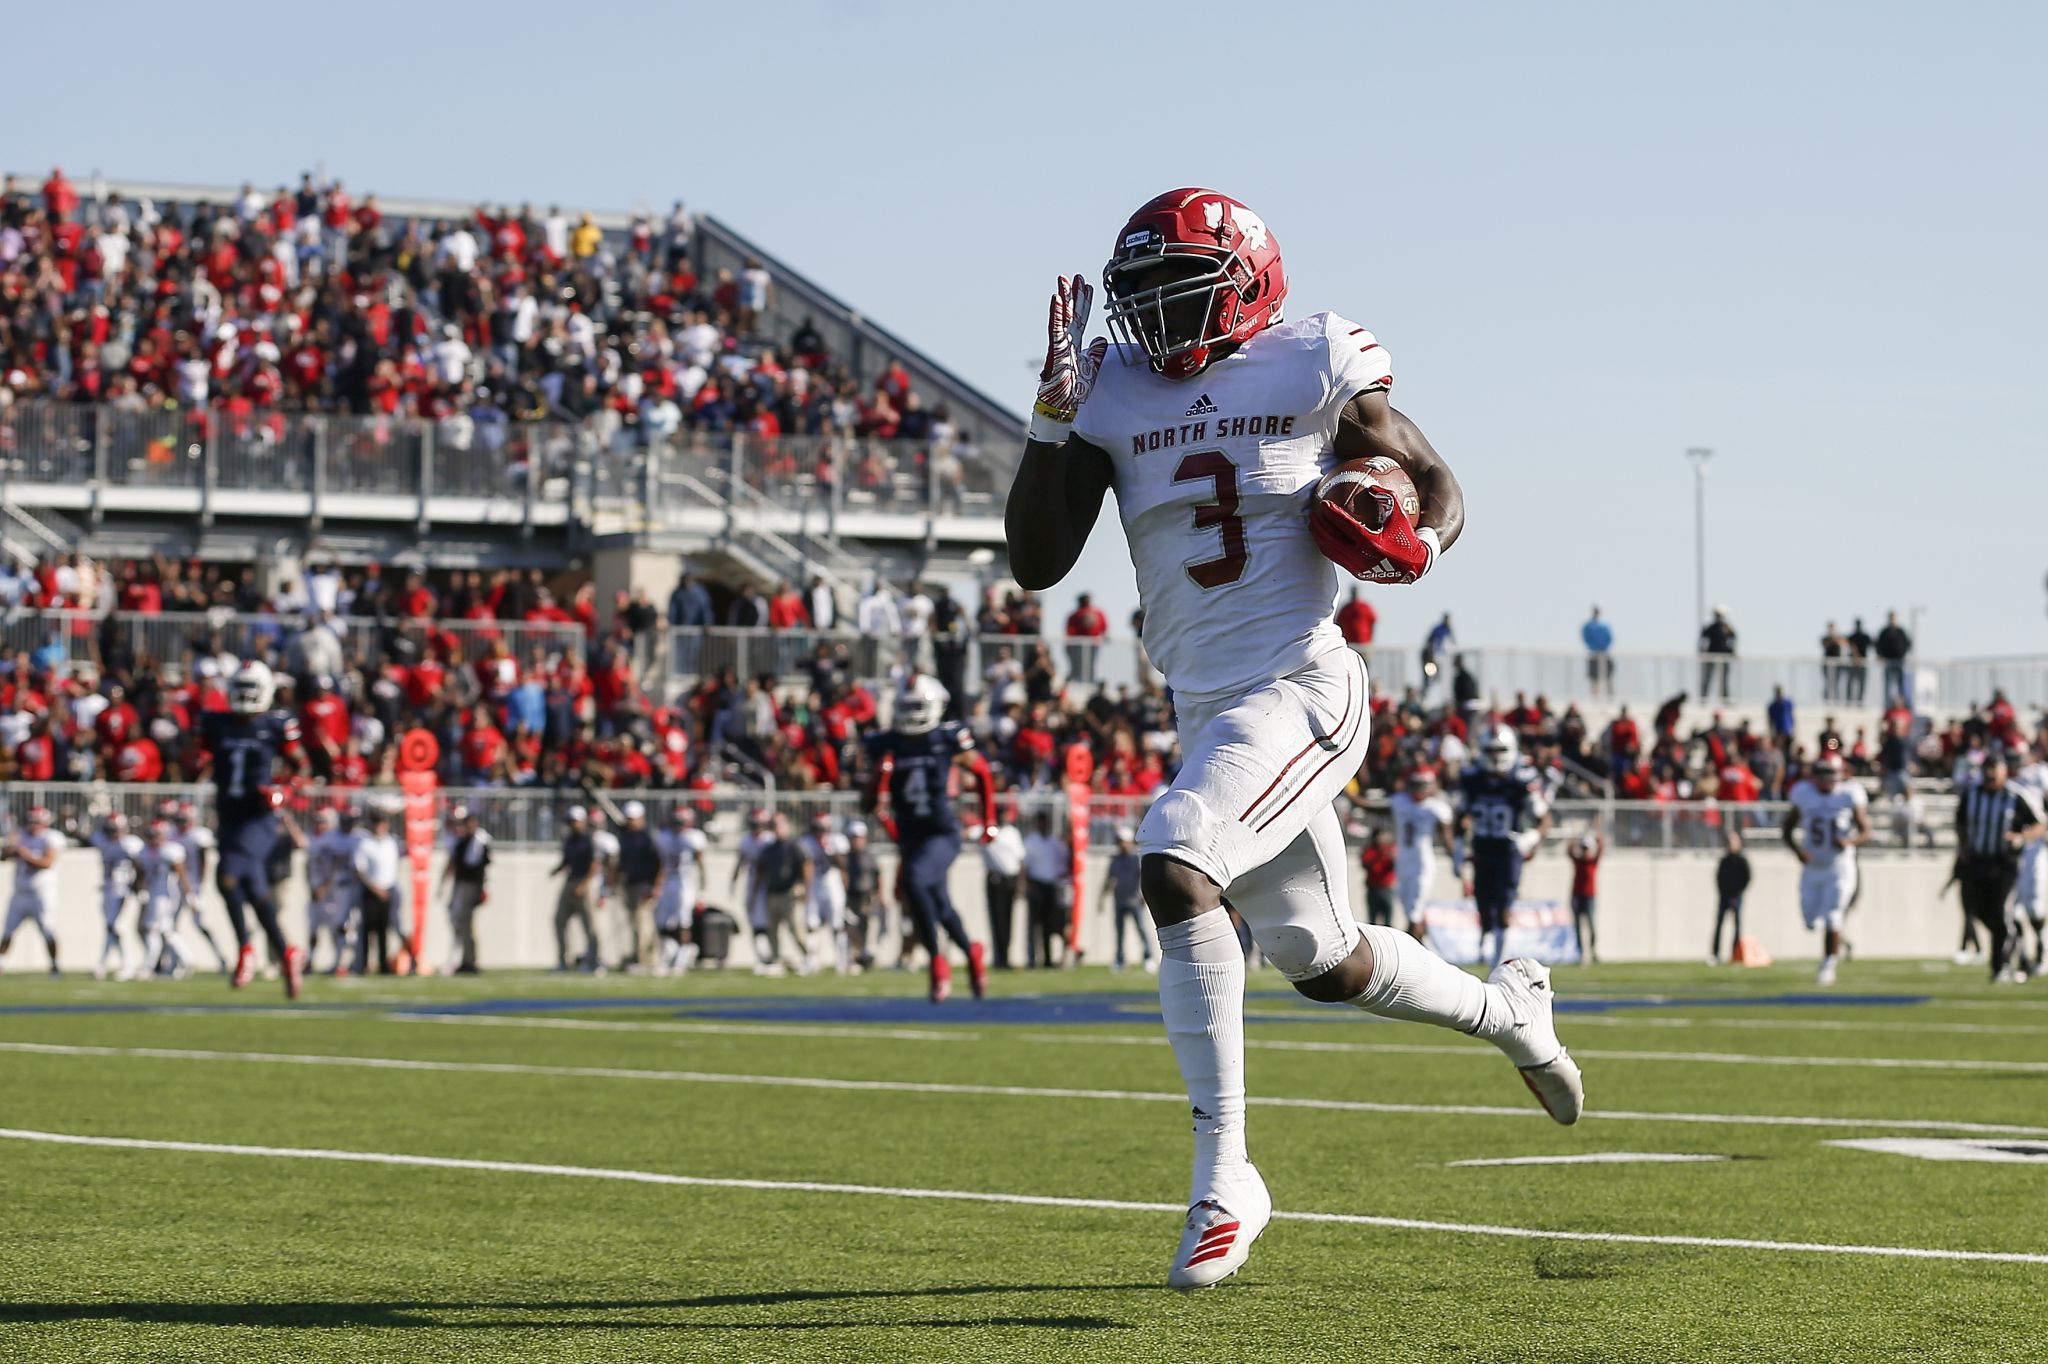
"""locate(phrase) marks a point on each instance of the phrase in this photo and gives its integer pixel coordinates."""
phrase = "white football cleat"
(1219, 1235)
(1532, 1044)
(1826, 974)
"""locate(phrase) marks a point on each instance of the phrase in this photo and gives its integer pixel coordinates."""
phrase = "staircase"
(27, 539)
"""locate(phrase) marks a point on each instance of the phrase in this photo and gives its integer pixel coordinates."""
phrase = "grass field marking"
(994, 1091)
(726, 1029)
(1595, 1158)
(978, 1196)
(1480, 1049)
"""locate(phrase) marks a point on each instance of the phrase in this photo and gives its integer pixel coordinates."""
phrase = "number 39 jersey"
(1213, 476)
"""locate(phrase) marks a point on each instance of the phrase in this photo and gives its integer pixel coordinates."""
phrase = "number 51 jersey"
(1213, 476)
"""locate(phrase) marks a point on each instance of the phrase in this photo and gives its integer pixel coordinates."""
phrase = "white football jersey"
(681, 850)
(1825, 818)
(37, 881)
(1416, 823)
(160, 865)
(117, 858)
(197, 841)
(829, 885)
(331, 861)
(1213, 476)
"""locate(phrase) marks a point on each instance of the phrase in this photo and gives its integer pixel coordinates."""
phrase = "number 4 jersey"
(1213, 476)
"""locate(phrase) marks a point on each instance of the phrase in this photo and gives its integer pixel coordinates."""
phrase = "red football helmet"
(1193, 270)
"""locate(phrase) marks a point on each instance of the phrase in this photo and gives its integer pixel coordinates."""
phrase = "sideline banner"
(419, 754)
(1536, 928)
(1080, 775)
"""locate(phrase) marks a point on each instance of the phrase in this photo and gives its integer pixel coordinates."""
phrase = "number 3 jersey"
(1213, 476)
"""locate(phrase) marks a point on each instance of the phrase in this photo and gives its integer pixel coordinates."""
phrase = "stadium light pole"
(1699, 455)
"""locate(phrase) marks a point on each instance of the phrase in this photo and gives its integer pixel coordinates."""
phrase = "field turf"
(1060, 1088)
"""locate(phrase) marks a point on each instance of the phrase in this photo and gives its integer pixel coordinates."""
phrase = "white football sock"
(1201, 998)
(1413, 983)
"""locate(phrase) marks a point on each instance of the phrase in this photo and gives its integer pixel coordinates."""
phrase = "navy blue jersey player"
(243, 746)
(912, 768)
(1504, 817)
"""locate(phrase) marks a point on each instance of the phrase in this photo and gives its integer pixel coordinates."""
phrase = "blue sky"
(1809, 235)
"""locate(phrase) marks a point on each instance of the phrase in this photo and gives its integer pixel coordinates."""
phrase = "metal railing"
(79, 636)
(97, 454)
(529, 816)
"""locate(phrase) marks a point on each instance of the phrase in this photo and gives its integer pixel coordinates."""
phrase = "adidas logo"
(1200, 1116)
(1202, 408)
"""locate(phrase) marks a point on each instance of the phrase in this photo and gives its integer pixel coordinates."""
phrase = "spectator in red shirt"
(139, 760)
(1356, 619)
(1624, 742)
(1378, 861)
(118, 722)
(60, 199)
(786, 609)
(36, 756)
(1085, 625)
(1585, 855)
(483, 750)
(325, 720)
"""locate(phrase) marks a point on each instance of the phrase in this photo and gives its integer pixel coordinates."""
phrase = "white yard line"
(977, 1196)
(1481, 1050)
(727, 1029)
(1594, 1158)
(990, 1091)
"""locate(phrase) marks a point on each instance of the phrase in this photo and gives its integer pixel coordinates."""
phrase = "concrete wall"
(1652, 907)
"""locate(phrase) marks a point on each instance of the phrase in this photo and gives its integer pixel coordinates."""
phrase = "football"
(1344, 487)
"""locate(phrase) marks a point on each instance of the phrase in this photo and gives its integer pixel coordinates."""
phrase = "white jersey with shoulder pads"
(39, 882)
(1415, 826)
(1213, 476)
(160, 863)
(117, 859)
(1825, 818)
(331, 862)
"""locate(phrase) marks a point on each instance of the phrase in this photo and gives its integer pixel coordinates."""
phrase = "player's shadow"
(606, 1314)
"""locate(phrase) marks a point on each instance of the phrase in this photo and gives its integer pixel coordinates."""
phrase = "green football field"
(723, 1167)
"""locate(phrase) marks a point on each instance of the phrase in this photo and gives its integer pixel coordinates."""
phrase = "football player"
(1828, 821)
(1213, 419)
(117, 849)
(682, 847)
(34, 852)
(1504, 819)
(332, 885)
(2030, 892)
(1422, 824)
(166, 884)
(199, 845)
(913, 765)
(826, 848)
(243, 746)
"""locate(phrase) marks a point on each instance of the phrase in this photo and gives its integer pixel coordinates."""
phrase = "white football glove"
(1069, 369)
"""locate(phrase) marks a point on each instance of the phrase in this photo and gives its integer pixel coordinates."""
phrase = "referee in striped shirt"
(1994, 821)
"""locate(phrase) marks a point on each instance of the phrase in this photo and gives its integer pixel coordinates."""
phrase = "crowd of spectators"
(312, 299)
(370, 652)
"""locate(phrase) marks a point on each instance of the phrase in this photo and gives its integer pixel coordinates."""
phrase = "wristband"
(1049, 426)
(1427, 535)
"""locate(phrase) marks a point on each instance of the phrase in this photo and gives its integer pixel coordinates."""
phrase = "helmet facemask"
(1177, 302)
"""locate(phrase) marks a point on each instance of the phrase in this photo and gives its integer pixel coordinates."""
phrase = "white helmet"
(1501, 750)
(251, 689)
(920, 705)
